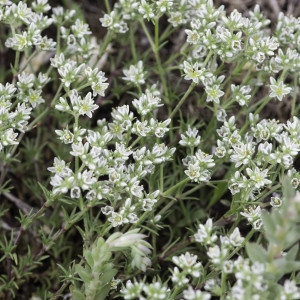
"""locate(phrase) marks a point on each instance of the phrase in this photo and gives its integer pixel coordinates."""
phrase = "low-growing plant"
(156, 158)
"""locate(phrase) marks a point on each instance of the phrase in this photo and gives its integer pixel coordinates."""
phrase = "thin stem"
(58, 41)
(33, 54)
(177, 290)
(263, 102)
(191, 191)
(293, 108)
(155, 48)
(209, 55)
(190, 89)
(16, 64)
(132, 44)
(166, 207)
(176, 186)
(223, 285)
(161, 178)
(76, 157)
(135, 142)
(107, 6)
(107, 40)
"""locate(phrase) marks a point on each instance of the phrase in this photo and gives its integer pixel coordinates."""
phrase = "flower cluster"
(276, 147)
(198, 166)
(106, 152)
(189, 266)
(218, 254)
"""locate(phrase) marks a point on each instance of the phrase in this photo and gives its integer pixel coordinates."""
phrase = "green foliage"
(148, 150)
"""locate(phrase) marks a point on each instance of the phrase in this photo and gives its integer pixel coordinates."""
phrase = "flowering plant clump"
(149, 150)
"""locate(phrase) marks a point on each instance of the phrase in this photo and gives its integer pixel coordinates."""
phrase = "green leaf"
(103, 292)
(270, 223)
(292, 253)
(84, 273)
(47, 194)
(281, 267)
(77, 295)
(256, 253)
(108, 273)
(288, 190)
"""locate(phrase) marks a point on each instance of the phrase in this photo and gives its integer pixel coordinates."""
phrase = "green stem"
(58, 41)
(166, 207)
(263, 102)
(135, 142)
(16, 64)
(103, 48)
(57, 94)
(223, 285)
(190, 89)
(132, 44)
(191, 191)
(76, 157)
(209, 55)
(33, 54)
(175, 187)
(155, 48)
(175, 293)
(161, 177)
(293, 108)
(107, 6)
(141, 220)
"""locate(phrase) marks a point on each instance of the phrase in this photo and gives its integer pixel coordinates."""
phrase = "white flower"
(79, 149)
(242, 154)
(235, 238)
(190, 138)
(139, 247)
(217, 254)
(60, 168)
(278, 89)
(115, 219)
(214, 93)
(164, 5)
(66, 136)
(146, 10)
(156, 291)
(75, 192)
(204, 234)
(257, 224)
(87, 105)
(192, 72)
(252, 213)
(135, 73)
(108, 19)
(132, 290)
(191, 294)
(179, 277)
(107, 210)
(80, 29)
(291, 291)
(259, 177)
(192, 36)
(228, 266)
(188, 263)
(276, 201)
